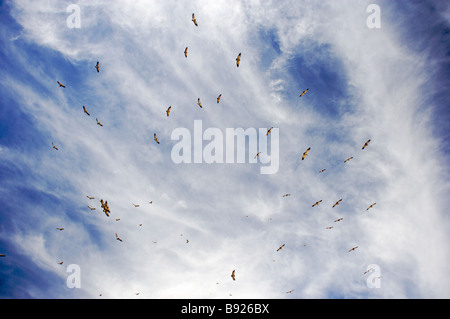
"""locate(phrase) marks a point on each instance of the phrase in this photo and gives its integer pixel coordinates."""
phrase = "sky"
(198, 221)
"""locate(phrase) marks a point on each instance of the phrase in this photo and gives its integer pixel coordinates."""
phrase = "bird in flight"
(118, 238)
(97, 66)
(85, 111)
(257, 155)
(316, 203)
(329, 227)
(290, 291)
(105, 207)
(155, 138)
(168, 110)
(365, 144)
(199, 103)
(371, 206)
(238, 59)
(98, 122)
(60, 84)
(269, 130)
(194, 20)
(351, 249)
(91, 208)
(233, 274)
(60, 228)
(348, 159)
(281, 247)
(90, 197)
(323, 170)
(185, 52)
(303, 93)
(61, 262)
(218, 98)
(305, 153)
(285, 195)
(54, 146)
(135, 205)
(337, 203)
(339, 219)
(368, 270)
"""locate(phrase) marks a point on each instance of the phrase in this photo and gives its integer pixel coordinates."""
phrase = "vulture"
(337, 203)
(61, 262)
(365, 144)
(105, 207)
(339, 219)
(54, 146)
(97, 66)
(281, 247)
(371, 206)
(85, 111)
(91, 208)
(185, 52)
(316, 203)
(257, 155)
(290, 291)
(323, 170)
(60, 84)
(238, 59)
(60, 228)
(194, 20)
(98, 122)
(233, 274)
(155, 138)
(305, 153)
(348, 159)
(135, 205)
(218, 98)
(199, 103)
(118, 238)
(351, 249)
(90, 197)
(303, 93)
(285, 195)
(168, 110)
(329, 227)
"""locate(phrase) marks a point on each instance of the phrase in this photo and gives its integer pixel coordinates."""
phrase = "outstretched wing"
(305, 153)
(303, 93)
(365, 144)
(238, 59)
(97, 66)
(218, 98)
(194, 20)
(185, 52)
(168, 110)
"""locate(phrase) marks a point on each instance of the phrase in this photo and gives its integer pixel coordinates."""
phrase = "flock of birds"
(105, 206)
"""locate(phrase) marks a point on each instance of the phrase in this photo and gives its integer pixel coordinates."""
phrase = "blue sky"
(389, 85)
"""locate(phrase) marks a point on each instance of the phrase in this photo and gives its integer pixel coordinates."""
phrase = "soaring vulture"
(105, 207)
(337, 203)
(218, 98)
(155, 138)
(348, 159)
(269, 130)
(316, 203)
(60, 228)
(238, 59)
(257, 155)
(303, 93)
(371, 206)
(54, 146)
(323, 170)
(60, 84)
(199, 103)
(97, 66)
(305, 153)
(91, 208)
(194, 20)
(281, 247)
(168, 110)
(290, 291)
(351, 249)
(339, 219)
(233, 274)
(286, 195)
(367, 143)
(90, 197)
(118, 238)
(85, 111)
(185, 52)
(98, 122)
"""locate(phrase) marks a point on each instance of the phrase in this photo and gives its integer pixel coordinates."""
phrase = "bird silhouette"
(233, 274)
(306, 153)
(218, 98)
(316, 203)
(365, 144)
(238, 60)
(60, 228)
(194, 20)
(185, 52)
(348, 159)
(155, 138)
(53, 145)
(281, 247)
(97, 66)
(98, 122)
(118, 238)
(269, 130)
(199, 103)
(168, 110)
(371, 206)
(303, 93)
(90, 197)
(351, 249)
(337, 203)
(60, 84)
(85, 111)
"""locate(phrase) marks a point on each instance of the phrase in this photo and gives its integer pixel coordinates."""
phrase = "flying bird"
(105, 207)
(337, 203)
(257, 155)
(339, 219)
(323, 170)
(194, 20)
(233, 274)
(135, 205)
(60, 228)
(303, 93)
(348, 159)
(281, 247)
(185, 52)
(285, 195)
(365, 144)
(329, 227)
(368, 270)
(351, 249)
(238, 59)
(61, 262)
(85, 111)
(371, 206)
(305, 153)
(168, 110)
(91, 208)
(90, 197)
(54, 146)
(98, 122)
(118, 238)
(97, 66)
(316, 203)
(290, 291)
(117, 219)
(218, 98)
(155, 138)
(60, 84)
(269, 130)
(199, 103)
